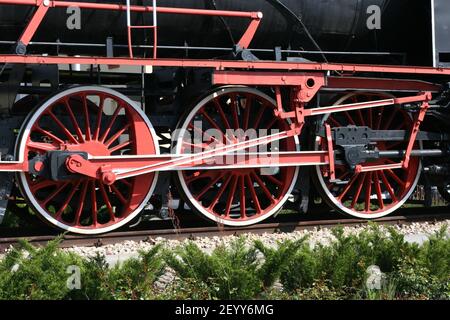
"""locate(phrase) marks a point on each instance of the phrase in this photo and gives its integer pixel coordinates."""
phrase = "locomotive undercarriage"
(359, 149)
(234, 137)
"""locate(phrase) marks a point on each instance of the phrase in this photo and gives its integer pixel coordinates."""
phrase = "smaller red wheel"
(374, 194)
(100, 122)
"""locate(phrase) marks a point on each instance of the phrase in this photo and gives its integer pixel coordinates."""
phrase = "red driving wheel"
(369, 194)
(234, 197)
(100, 122)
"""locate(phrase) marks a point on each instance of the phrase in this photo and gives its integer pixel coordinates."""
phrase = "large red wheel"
(372, 194)
(234, 197)
(100, 122)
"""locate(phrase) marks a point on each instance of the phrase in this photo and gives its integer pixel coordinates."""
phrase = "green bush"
(241, 271)
(229, 273)
(28, 272)
(133, 279)
(412, 271)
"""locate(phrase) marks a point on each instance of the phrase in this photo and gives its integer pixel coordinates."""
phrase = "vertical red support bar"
(330, 152)
(414, 131)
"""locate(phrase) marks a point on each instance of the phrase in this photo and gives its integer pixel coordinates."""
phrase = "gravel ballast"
(414, 232)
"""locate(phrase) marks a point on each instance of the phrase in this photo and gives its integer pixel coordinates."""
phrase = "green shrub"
(229, 273)
(95, 280)
(131, 280)
(240, 271)
(135, 278)
(27, 272)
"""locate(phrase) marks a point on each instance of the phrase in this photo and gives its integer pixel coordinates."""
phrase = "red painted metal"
(99, 167)
(135, 8)
(331, 171)
(264, 78)
(228, 64)
(381, 84)
(414, 131)
(34, 23)
(367, 105)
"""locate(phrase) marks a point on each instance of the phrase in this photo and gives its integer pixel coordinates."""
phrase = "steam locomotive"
(232, 108)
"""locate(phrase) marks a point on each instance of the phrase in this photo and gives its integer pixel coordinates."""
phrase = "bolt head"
(108, 178)
(38, 166)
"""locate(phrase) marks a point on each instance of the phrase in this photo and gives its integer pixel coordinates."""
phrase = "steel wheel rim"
(374, 178)
(134, 202)
(240, 181)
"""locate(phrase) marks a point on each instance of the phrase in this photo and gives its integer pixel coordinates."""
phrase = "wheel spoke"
(99, 118)
(220, 192)
(94, 203)
(111, 123)
(41, 146)
(358, 191)
(107, 202)
(205, 174)
(48, 134)
(349, 118)
(242, 199)
(263, 187)
(368, 191)
(73, 120)
(81, 202)
(248, 104)
(234, 111)
(378, 190)
(347, 187)
(62, 127)
(392, 115)
(399, 181)
(230, 197)
(120, 146)
(253, 194)
(258, 117)
(54, 193)
(67, 201)
(222, 114)
(86, 118)
(208, 186)
(334, 122)
(388, 186)
(380, 117)
(116, 136)
(119, 195)
(271, 123)
(273, 180)
(360, 117)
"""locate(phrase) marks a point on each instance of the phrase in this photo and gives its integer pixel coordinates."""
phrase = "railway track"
(182, 233)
